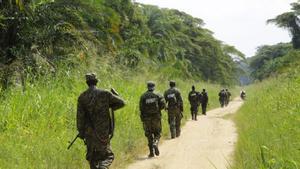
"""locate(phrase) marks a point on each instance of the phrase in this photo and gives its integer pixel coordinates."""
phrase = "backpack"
(171, 98)
(223, 94)
(194, 97)
(152, 104)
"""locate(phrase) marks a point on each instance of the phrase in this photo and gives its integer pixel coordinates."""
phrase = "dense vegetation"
(37, 37)
(48, 45)
(271, 140)
(36, 125)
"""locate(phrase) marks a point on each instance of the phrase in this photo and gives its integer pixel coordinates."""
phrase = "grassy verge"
(269, 126)
(36, 125)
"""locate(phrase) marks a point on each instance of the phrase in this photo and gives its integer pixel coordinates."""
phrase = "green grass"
(269, 126)
(36, 125)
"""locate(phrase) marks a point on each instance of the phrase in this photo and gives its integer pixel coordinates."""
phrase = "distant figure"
(94, 123)
(222, 97)
(243, 95)
(204, 101)
(151, 104)
(194, 99)
(175, 108)
(228, 95)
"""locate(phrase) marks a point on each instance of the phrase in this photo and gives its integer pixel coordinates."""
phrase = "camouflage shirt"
(173, 98)
(151, 104)
(204, 98)
(93, 111)
(194, 98)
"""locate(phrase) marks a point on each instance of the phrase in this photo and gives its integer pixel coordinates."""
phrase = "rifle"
(73, 141)
(112, 120)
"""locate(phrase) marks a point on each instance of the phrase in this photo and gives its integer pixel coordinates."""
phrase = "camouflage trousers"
(152, 128)
(204, 106)
(222, 102)
(194, 111)
(99, 153)
(174, 119)
(227, 101)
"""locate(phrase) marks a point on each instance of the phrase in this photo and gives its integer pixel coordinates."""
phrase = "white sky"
(241, 23)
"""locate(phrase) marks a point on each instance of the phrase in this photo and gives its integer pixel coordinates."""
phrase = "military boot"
(151, 154)
(177, 132)
(155, 146)
(173, 133)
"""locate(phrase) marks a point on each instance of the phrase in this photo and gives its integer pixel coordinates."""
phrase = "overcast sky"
(241, 23)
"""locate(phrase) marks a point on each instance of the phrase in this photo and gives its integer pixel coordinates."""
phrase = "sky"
(241, 23)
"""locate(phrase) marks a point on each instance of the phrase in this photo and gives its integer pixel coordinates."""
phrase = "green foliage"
(37, 124)
(269, 59)
(71, 32)
(290, 21)
(271, 139)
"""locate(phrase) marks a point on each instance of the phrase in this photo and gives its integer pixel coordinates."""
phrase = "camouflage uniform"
(222, 97)
(151, 105)
(94, 124)
(194, 99)
(204, 101)
(175, 109)
(228, 95)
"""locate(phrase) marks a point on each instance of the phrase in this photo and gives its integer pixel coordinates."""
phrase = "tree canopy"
(38, 35)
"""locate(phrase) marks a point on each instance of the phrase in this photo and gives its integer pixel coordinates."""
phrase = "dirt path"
(204, 144)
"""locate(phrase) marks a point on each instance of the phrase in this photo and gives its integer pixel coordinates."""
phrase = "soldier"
(222, 97)
(151, 105)
(194, 99)
(228, 95)
(175, 108)
(243, 95)
(94, 122)
(204, 101)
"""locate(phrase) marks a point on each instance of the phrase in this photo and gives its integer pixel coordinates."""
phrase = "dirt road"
(204, 144)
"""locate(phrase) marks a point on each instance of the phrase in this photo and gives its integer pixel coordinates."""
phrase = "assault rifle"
(112, 120)
(73, 141)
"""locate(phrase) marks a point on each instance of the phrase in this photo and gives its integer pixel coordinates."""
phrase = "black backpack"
(172, 100)
(194, 97)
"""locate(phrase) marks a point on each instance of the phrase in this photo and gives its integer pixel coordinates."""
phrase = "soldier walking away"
(204, 101)
(94, 122)
(175, 108)
(151, 104)
(228, 95)
(222, 97)
(194, 99)
(243, 95)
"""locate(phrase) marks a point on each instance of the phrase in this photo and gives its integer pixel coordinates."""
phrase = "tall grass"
(269, 126)
(37, 124)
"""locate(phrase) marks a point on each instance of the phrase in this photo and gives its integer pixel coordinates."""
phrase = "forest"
(39, 36)
(47, 46)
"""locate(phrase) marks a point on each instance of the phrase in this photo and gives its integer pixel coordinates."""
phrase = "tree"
(290, 21)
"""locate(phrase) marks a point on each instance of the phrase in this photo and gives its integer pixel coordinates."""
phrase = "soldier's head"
(203, 90)
(172, 83)
(151, 86)
(91, 79)
(226, 90)
(193, 87)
